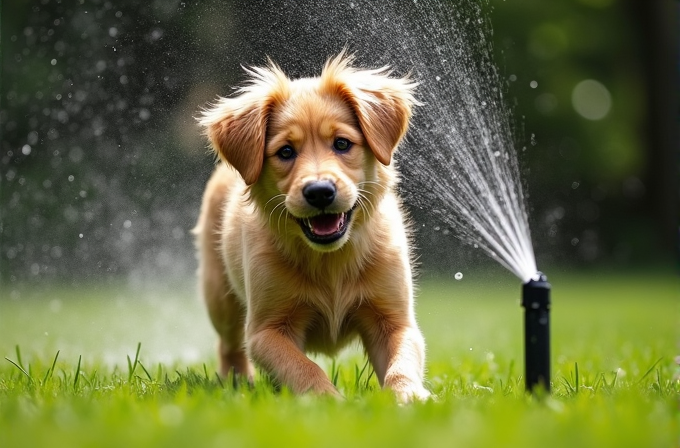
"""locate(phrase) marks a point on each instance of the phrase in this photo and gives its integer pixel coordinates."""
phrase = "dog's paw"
(410, 394)
(325, 388)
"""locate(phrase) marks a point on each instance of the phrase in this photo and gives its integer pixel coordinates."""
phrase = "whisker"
(362, 200)
(368, 192)
(375, 182)
(272, 198)
(278, 221)
(362, 194)
(280, 204)
(285, 222)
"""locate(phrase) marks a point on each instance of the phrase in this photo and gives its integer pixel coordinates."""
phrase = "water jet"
(471, 183)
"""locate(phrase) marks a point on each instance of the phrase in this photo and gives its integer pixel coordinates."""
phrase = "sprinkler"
(536, 304)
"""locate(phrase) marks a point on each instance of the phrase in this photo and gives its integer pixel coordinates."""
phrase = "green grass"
(75, 373)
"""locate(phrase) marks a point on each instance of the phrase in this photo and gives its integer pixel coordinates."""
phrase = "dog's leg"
(227, 315)
(397, 353)
(226, 312)
(276, 352)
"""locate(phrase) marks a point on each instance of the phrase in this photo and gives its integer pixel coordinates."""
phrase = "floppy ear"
(236, 129)
(237, 126)
(382, 104)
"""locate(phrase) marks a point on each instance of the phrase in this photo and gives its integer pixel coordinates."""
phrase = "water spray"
(536, 304)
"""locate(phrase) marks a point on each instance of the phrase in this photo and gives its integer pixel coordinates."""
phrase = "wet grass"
(115, 367)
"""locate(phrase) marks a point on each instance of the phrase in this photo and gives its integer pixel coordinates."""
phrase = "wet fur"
(272, 294)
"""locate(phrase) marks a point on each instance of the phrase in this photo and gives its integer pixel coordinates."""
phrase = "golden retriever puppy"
(301, 242)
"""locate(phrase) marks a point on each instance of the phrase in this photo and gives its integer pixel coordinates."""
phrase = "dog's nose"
(320, 193)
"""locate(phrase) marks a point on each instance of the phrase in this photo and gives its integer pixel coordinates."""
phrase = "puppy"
(301, 241)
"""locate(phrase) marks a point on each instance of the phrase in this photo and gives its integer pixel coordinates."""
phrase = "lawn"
(116, 366)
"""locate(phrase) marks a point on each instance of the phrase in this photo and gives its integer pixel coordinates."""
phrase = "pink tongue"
(326, 224)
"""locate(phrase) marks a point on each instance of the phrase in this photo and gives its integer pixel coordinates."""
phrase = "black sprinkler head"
(536, 303)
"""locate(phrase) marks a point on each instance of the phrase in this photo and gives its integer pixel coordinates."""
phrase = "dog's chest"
(333, 304)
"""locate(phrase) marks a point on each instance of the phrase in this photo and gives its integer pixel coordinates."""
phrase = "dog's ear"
(382, 104)
(237, 126)
(236, 129)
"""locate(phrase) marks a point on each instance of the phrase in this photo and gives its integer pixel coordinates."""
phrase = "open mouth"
(325, 228)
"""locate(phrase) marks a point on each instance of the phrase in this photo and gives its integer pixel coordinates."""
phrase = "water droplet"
(591, 99)
(458, 276)
(127, 224)
(533, 84)
(80, 235)
(71, 178)
(26, 150)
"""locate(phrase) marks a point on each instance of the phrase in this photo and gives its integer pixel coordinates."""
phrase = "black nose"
(320, 193)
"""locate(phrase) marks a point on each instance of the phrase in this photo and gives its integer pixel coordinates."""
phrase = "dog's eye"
(286, 153)
(342, 144)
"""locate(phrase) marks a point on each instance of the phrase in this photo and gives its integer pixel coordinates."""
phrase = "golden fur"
(272, 292)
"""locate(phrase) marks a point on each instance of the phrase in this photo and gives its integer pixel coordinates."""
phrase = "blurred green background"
(102, 164)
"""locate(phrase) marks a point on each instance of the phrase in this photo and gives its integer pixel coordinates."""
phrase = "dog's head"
(314, 151)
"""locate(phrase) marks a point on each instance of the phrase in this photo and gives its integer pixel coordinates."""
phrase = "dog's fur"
(272, 291)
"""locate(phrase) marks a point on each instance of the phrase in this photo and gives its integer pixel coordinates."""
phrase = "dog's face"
(316, 163)
(313, 150)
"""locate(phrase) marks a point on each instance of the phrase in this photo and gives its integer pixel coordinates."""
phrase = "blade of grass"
(359, 374)
(50, 371)
(649, 371)
(576, 379)
(75, 380)
(599, 380)
(145, 371)
(20, 368)
(219, 380)
(17, 350)
(508, 379)
(368, 379)
(133, 365)
(335, 373)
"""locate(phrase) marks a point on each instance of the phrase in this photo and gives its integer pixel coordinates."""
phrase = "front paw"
(411, 394)
(406, 389)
